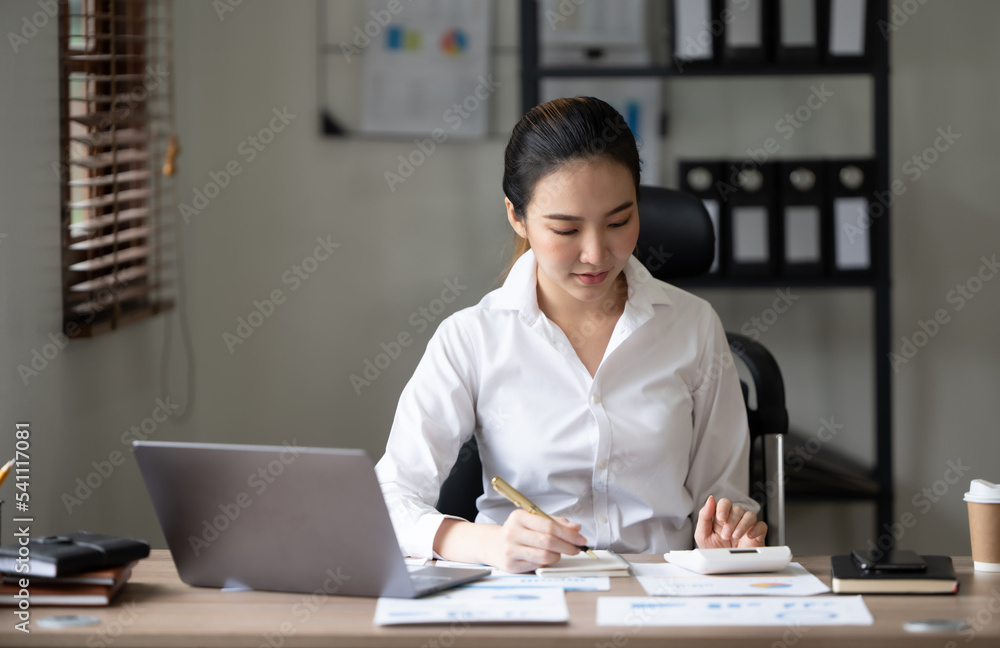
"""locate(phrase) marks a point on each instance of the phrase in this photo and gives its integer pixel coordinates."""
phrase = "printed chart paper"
(671, 580)
(732, 611)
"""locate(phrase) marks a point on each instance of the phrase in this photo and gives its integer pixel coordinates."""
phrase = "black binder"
(74, 553)
(750, 219)
(696, 30)
(701, 179)
(850, 31)
(804, 217)
(800, 31)
(851, 185)
(747, 38)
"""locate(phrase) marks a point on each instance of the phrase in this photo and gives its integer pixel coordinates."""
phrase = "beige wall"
(291, 379)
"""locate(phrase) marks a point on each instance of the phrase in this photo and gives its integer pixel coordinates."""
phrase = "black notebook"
(70, 554)
(938, 578)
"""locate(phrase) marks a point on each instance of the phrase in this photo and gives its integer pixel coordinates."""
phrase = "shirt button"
(602, 464)
(596, 398)
(602, 519)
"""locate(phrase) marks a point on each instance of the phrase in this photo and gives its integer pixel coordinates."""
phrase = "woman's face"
(583, 224)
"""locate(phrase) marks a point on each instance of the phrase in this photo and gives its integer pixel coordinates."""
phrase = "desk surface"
(156, 609)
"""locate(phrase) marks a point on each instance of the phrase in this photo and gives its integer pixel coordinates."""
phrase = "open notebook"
(607, 563)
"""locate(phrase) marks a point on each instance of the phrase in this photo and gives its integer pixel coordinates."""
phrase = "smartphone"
(898, 560)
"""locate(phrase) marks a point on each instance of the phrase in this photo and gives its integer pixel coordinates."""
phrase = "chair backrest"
(676, 236)
(677, 240)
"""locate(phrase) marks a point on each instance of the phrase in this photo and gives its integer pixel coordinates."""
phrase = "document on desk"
(732, 611)
(664, 579)
(567, 583)
(477, 605)
(500, 578)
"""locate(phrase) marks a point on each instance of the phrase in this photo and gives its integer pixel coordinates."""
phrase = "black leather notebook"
(938, 578)
(70, 554)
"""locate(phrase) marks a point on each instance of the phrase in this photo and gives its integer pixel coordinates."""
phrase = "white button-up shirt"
(631, 454)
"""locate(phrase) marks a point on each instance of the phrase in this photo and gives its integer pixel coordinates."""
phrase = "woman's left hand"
(724, 526)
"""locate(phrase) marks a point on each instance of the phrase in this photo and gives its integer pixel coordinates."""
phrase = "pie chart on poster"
(454, 42)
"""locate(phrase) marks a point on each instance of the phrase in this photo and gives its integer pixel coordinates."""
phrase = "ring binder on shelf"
(750, 220)
(700, 179)
(696, 31)
(747, 32)
(799, 30)
(802, 200)
(851, 183)
(849, 34)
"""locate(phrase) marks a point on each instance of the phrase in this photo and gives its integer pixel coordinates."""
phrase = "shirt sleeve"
(434, 417)
(720, 459)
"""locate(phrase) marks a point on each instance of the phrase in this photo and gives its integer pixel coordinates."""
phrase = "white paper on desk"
(500, 578)
(477, 605)
(567, 583)
(731, 611)
(671, 580)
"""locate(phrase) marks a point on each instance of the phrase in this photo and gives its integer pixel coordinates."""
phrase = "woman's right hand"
(526, 542)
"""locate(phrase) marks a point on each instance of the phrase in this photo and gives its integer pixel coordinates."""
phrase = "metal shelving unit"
(835, 479)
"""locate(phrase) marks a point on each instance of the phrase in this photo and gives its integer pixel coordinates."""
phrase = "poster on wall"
(427, 70)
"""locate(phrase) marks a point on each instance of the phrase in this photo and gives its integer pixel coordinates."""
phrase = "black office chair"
(677, 240)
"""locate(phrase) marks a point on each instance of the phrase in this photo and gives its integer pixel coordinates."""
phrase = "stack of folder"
(787, 33)
(802, 217)
(86, 588)
(76, 569)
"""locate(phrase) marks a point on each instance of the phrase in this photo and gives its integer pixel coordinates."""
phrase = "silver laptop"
(281, 518)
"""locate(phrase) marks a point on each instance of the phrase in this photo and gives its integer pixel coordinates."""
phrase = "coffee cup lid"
(983, 492)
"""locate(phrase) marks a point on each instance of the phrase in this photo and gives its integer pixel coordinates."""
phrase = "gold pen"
(519, 500)
(5, 470)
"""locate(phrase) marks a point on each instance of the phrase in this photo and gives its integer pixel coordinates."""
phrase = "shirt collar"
(518, 291)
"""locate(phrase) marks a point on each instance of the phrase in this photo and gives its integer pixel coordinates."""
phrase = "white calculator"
(730, 561)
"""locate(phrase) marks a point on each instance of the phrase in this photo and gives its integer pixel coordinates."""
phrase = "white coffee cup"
(983, 500)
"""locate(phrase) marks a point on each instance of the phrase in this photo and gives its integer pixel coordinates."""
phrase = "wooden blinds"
(118, 145)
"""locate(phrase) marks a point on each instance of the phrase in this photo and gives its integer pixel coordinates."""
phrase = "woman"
(602, 394)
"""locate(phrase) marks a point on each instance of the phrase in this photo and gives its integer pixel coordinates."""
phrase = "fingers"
(723, 524)
(755, 537)
(733, 522)
(532, 541)
(706, 522)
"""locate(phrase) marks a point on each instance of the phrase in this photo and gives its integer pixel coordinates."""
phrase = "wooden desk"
(156, 609)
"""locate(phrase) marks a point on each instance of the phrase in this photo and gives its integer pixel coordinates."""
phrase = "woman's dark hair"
(561, 131)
